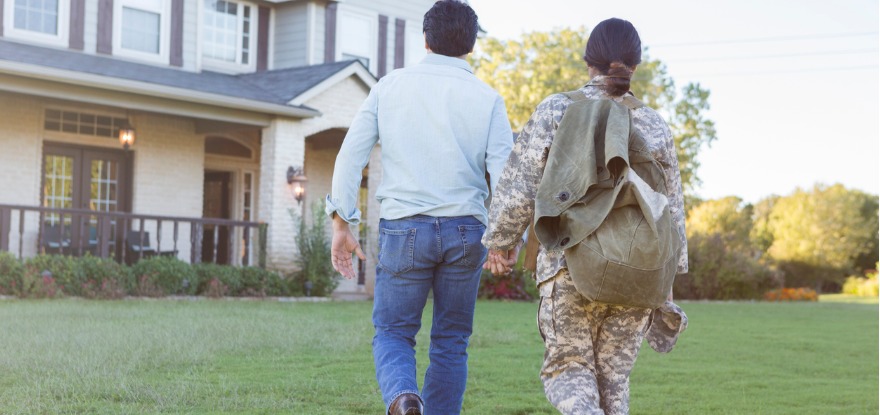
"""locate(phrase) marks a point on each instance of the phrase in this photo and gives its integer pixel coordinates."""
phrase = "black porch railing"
(129, 237)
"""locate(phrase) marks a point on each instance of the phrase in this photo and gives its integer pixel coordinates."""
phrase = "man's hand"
(343, 245)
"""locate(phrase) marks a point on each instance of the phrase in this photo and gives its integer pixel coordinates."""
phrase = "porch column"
(283, 145)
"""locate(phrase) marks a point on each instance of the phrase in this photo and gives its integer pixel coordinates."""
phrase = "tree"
(728, 218)
(821, 234)
(528, 70)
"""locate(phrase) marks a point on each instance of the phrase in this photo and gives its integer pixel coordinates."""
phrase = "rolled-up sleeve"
(675, 196)
(353, 156)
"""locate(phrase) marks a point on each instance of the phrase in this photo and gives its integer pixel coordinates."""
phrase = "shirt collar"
(438, 59)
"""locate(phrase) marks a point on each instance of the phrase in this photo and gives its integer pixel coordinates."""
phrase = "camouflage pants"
(590, 349)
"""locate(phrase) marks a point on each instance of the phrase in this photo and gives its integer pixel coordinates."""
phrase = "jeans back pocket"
(396, 249)
(473, 252)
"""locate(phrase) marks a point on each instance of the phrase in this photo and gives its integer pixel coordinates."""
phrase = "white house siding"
(291, 29)
(191, 34)
(318, 35)
(91, 27)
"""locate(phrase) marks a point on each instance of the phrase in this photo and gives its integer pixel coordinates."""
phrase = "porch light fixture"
(297, 179)
(126, 135)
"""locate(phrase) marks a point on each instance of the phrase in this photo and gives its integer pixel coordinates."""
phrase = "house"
(230, 106)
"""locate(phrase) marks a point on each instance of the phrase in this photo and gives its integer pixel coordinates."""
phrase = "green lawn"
(264, 357)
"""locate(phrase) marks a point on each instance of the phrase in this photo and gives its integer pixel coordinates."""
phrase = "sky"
(794, 83)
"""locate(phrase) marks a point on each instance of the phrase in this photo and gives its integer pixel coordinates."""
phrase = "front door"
(215, 240)
(81, 178)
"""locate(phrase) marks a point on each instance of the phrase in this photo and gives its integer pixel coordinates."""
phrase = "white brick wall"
(283, 146)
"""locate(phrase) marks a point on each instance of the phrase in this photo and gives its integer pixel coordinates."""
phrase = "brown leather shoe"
(406, 404)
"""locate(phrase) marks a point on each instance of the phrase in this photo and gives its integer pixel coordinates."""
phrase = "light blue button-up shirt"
(441, 131)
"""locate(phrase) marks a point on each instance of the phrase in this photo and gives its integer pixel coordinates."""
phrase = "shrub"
(260, 282)
(313, 259)
(510, 286)
(862, 286)
(50, 276)
(217, 280)
(158, 276)
(103, 278)
(791, 294)
(719, 273)
(11, 274)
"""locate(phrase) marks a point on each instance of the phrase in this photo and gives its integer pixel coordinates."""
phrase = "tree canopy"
(540, 64)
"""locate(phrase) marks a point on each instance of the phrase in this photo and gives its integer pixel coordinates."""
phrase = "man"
(441, 130)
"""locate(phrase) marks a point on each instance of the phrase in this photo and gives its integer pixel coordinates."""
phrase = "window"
(357, 36)
(229, 33)
(82, 123)
(141, 29)
(37, 20)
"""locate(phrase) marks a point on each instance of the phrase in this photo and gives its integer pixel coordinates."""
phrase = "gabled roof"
(269, 92)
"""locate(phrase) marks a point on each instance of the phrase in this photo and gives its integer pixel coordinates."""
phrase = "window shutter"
(330, 32)
(399, 43)
(176, 58)
(263, 39)
(105, 27)
(383, 46)
(77, 24)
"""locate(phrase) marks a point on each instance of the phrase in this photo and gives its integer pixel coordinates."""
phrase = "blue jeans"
(418, 254)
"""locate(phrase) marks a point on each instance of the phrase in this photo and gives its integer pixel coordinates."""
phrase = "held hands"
(501, 262)
(343, 245)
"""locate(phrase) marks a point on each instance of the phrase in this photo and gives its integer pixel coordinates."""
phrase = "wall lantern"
(126, 135)
(297, 179)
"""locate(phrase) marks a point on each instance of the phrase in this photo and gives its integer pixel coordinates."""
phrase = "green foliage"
(161, 275)
(11, 274)
(727, 217)
(719, 272)
(512, 286)
(49, 276)
(217, 280)
(819, 235)
(313, 255)
(866, 286)
(260, 282)
(540, 64)
(103, 278)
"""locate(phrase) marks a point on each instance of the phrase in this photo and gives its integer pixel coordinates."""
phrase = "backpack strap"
(632, 102)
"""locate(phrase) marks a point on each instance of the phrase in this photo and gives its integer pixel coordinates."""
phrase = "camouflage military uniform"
(590, 347)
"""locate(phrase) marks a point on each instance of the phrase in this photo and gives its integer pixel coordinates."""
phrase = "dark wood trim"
(330, 32)
(383, 46)
(263, 38)
(176, 58)
(399, 43)
(105, 27)
(77, 24)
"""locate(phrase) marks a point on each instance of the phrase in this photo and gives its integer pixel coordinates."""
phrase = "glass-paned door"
(84, 179)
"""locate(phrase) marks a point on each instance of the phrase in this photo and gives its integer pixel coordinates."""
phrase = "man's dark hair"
(451, 28)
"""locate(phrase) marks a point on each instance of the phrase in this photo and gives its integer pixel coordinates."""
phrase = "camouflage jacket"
(513, 202)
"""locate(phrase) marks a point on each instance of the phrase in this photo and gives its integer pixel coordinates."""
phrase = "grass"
(240, 357)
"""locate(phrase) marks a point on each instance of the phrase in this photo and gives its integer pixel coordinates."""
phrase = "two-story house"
(182, 124)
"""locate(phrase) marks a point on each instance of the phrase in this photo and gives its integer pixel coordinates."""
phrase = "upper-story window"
(229, 34)
(357, 36)
(141, 29)
(42, 21)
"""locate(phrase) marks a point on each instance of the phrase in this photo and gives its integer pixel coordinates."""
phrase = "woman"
(590, 348)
